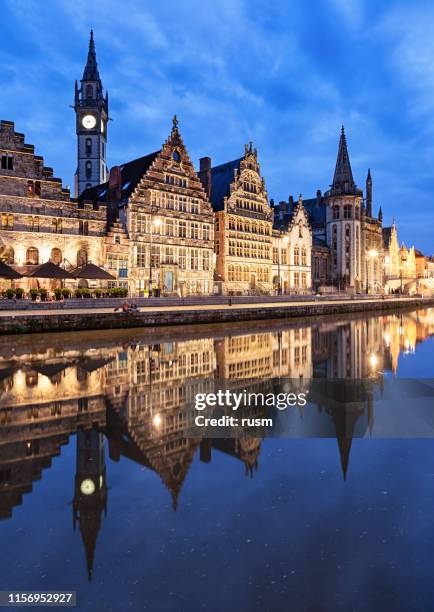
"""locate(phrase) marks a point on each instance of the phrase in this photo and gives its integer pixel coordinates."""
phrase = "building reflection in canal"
(125, 394)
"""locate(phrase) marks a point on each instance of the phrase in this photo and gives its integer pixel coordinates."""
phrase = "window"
(169, 227)
(206, 260)
(7, 162)
(88, 169)
(296, 256)
(117, 239)
(57, 226)
(32, 256)
(182, 259)
(7, 221)
(88, 147)
(8, 255)
(34, 224)
(182, 229)
(195, 207)
(194, 259)
(182, 203)
(30, 189)
(140, 256)
(56, 256)
(348, 211)
(206, 232)
(303, 258)
(123, 266)
(155, 256)
(194, 230)
(83, 228)
(89, 91)
(335, 212)
(176, 156)
(81, 257)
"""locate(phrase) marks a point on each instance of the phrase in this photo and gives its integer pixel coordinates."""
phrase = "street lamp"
(154, 222)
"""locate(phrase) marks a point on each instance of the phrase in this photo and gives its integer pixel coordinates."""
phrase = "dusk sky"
(284, 74)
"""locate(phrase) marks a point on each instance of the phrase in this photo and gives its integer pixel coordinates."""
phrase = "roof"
(221, 178)
(387, 234)
(50, 270)
(131, 172)
(8, 272)
(92, 272)
(316, 211)
(343, 181)
(317, 242)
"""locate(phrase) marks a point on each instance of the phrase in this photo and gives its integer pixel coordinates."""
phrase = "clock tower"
(91, 111)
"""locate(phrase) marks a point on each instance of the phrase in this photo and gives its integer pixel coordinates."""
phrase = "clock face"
(87, 487)
(88, 122)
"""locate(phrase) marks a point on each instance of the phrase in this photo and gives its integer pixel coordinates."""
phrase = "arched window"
(336, 212)
(89, 91)
(8, 255)
(81, 257)
(88, 169)
(88, 147)
(32, 256)
(56, 256)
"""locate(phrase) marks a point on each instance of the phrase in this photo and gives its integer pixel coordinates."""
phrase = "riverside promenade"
(79, 315)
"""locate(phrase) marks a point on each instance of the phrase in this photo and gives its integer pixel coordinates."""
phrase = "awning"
(91, 271)
(8, 272)
(50, 270)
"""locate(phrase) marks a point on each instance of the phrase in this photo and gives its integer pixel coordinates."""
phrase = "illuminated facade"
(243, 224)
(161, 204)
(292, 249)
(39, 221)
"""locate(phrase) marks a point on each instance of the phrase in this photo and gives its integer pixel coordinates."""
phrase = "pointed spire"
(343, 182)
(344, 452)
(380, 215)
(91, 69)
(369, 194)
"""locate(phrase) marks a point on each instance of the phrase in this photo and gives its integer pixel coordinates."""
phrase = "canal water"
(106, 490)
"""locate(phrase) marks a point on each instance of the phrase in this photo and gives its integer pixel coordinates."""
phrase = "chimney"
(114, 194)
(204, 174)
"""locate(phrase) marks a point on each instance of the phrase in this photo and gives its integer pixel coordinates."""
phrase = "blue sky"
(284, 74)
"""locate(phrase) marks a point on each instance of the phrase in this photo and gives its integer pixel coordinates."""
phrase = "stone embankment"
(79, 319)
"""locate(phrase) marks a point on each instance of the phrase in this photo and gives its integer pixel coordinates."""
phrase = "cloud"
(280, 75)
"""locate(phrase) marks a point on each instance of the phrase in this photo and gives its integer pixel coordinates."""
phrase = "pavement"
(185, 308)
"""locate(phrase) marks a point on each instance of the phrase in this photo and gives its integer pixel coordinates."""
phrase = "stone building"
(292, 249)
(243, 223)
(159, 201)
(39, 221)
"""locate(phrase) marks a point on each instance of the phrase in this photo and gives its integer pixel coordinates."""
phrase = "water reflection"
(124, 392)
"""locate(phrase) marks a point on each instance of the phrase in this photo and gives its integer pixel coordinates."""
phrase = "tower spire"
(369, 194)
(343, 182)
(91, 69)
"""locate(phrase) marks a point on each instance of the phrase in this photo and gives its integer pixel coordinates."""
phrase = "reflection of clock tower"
(91, 110)
(90, 497)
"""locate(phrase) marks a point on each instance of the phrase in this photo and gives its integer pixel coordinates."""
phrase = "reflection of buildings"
(138, 394)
